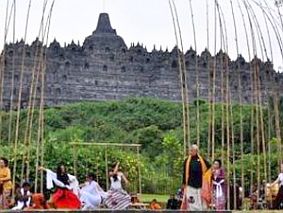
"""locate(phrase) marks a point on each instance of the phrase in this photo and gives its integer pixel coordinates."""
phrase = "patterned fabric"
(218, 189)
(118, 199)
(5, 199)
(193, 199)
(5, 178)
(5, 187)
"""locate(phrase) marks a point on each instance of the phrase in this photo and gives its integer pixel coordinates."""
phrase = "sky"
(150, 22)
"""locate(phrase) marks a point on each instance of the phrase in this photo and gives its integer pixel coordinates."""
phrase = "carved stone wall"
(104, 68)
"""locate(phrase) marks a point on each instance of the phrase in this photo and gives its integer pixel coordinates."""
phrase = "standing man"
(196, 169)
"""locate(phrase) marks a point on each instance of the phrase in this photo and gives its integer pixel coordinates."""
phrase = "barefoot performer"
(91, 194)
(67, 187)
(118, 198)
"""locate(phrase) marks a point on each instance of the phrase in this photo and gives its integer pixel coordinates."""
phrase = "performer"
(23, 197)
(5, 183)
(218, 186)
(117, 197)
(196, 182)
(91, 194)
(67, 188)
(278, 202)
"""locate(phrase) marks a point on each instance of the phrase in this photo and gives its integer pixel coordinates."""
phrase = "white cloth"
(196, 203)
(51, 179)
(280, 178)
(91, 195)
(219, 191)
(116, 185)
(21, 204)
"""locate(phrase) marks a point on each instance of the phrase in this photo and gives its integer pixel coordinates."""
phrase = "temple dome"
(104, 36)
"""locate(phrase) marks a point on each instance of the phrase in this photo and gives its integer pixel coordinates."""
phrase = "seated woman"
(154, 205)
(117, 197)
(38, 202)
(23, 197)
(5, 184)
(65, 196)
(91, 194)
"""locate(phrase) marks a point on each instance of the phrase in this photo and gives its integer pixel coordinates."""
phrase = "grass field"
(146, 198)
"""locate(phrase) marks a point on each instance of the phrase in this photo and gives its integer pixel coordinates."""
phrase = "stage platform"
(138, 211)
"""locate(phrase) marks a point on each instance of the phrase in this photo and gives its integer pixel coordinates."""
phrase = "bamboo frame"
(105, 146)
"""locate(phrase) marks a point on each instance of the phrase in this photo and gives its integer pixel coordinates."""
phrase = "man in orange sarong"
(196, 181)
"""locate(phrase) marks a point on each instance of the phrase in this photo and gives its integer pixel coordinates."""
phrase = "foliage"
(156, 124)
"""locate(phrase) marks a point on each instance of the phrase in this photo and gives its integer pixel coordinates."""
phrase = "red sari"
(64, 197)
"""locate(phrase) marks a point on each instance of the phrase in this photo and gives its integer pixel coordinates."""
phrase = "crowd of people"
(204, 187)
(68, 193)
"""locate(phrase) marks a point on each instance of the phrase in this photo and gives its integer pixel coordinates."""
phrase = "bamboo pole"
(197, 76)
(8, 15)
(252, 96)
(185, 76)
(42, 97)
(12, 80)
(183, 83)
(15, 144)
(106, 169)
(139, 170)
(241, 116)
(32, 93)
(20, 90)
(213, 87)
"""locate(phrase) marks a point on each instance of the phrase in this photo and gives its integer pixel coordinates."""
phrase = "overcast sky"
(145, 21)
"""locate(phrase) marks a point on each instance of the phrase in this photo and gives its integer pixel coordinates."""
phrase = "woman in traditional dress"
(67, 187)
(278, 202)
(218, 186)
(117, 198)
(5, 184)
(91, 194)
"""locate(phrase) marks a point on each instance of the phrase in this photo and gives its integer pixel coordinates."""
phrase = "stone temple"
(104, 68)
